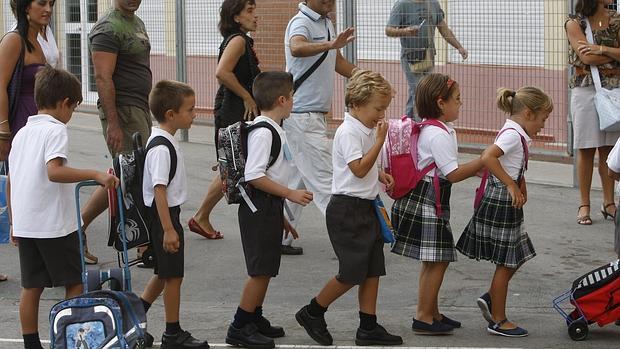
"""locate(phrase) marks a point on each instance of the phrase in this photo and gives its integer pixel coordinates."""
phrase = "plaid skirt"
(495, 232)
(420, 233)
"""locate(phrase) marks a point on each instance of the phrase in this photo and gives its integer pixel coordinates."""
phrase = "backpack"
(130, 171)
(232, 153)
(483, 182)
(98, 319)
(401, 152)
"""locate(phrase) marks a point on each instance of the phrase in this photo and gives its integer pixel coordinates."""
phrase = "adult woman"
(605, 54)
(31, 17)
(236, 69)
(45, 39)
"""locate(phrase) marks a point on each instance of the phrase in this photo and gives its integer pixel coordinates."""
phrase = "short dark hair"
(228, 11)
(52, 86)
(168, 95)
(269, 86)
(586, 7)
(432, 88)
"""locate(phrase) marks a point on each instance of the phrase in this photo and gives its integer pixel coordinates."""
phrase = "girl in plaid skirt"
(423, 230)
(495, 232)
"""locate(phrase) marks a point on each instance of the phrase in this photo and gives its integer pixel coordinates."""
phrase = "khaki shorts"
(132, 119)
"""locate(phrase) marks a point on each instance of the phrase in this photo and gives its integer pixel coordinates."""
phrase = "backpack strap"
(414, 155)
(161, 140)
(276, 143)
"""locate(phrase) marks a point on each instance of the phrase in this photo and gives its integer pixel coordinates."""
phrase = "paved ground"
(215, 270)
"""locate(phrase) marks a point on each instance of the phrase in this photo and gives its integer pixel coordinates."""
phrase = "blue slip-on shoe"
(436, 328)
(484, 303)
(446, 320)
(513, 332)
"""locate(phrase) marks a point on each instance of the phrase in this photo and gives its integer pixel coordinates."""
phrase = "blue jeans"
(412, 81)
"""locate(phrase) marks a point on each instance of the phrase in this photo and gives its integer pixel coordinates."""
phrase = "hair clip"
(450, 83)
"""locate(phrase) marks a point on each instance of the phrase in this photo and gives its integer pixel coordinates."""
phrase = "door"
(80, 16)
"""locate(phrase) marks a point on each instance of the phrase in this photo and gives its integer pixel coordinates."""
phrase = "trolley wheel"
(116, 279)
(93, 280)
(578, 330)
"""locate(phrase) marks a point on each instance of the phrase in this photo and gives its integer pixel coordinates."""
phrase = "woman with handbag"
(604, 53)
(236, 69)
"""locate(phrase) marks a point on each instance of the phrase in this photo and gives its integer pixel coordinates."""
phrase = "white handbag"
(607, 102)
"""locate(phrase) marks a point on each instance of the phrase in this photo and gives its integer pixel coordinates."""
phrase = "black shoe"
(292, 250)
(265, 328)
(446, 320)
(484, 303)
(248, 337)
(148, 340)
(316, 327)
(182, 340)
(376, 336)
(436, 328)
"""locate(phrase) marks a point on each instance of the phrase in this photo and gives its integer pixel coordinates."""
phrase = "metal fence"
(511, 43)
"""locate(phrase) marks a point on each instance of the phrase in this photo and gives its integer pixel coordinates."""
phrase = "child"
(261, 231)
(496, 232)
(352, 223)
(41, 198)
(422, 233)
(613, 170)
(172, 104)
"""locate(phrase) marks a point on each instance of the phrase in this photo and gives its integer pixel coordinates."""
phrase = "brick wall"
(269, 38)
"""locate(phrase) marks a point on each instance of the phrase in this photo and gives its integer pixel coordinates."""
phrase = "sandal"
(196, 228)
(585, 219)
(606, 213)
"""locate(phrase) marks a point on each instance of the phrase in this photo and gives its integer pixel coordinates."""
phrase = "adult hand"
(587, 49)
(251, 111)
(463, 53)
(343, 39)
(412, 30)
(115, 137)
(5, 147)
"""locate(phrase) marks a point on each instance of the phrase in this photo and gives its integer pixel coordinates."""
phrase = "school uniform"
(352, 224)
(156, 172)
(43, 212)
(261, 231)
(496, 232)
(613, 162)
(420, 233)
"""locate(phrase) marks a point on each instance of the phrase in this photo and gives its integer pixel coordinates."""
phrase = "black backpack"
(130, 170)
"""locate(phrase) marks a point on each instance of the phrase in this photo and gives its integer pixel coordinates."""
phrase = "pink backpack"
(483, 182)
(401, 153)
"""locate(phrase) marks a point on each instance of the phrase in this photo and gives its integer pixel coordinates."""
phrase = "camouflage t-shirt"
(126, 36)
(607, 37)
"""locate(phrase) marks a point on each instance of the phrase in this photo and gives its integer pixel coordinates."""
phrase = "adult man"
(414, 22)
(310, 34)
(120, 50)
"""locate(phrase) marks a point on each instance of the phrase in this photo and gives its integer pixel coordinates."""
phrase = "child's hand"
(288, 228)
(302, 197)
(523, 188)
(387, 180)
(171, 241)
(518, 199)
(382, 128)
(107, 180)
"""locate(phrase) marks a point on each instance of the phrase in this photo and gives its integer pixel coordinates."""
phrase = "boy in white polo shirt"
(173, 106)
(41, 198)
(352, 224)
(261, 231)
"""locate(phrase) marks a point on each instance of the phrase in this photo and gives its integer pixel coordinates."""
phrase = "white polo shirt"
(437, 145)
(613, 159)
(157, 171)
(510, 143)
(351, 142)
(259, 149)
(41, 209)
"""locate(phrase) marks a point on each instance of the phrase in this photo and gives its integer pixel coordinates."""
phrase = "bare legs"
(431, 278)
(499, 293)
(585, 167)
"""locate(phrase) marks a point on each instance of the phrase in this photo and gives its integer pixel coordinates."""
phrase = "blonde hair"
(363, 84)
(532, 98)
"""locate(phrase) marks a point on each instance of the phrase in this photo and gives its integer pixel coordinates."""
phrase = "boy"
(172, 104)
(42, 204)
(352, 224)
(261, 232)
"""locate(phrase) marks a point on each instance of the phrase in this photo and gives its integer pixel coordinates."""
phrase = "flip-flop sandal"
(585, 219)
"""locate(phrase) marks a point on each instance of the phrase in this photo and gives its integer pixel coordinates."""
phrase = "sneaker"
(316, 327)
(436, 328)
(148, 340)
(292, 250)
(484, 303)
(266, 329)
(376, 336)
(513, 332)
(446, 320)
(248, 337)
(182, 340)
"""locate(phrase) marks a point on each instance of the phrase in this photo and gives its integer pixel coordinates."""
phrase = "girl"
(422, 233)
(495, 232)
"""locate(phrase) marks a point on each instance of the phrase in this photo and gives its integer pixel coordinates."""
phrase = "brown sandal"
(606, 213)
(585, 219)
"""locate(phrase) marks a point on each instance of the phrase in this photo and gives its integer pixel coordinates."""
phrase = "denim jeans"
(412, 81)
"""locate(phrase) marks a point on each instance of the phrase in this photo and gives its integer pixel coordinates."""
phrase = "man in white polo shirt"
(309, 35)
